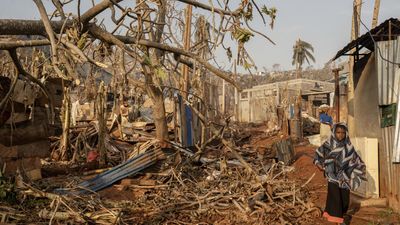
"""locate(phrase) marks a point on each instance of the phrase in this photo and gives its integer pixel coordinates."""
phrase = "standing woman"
(326, 123)
(343, 169)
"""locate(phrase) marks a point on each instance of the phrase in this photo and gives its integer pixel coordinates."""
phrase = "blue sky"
(326, 24)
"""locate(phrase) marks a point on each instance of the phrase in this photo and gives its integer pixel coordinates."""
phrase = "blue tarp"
(189, 123)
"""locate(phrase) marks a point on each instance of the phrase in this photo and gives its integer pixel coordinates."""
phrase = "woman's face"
(340, 133)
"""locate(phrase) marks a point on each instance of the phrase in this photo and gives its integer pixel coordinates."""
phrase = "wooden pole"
(223, 97)
(185, 74)
(299, 114)
(186, 46)
(376, 13)
(337, 93)
(355, 28)
(236, 93)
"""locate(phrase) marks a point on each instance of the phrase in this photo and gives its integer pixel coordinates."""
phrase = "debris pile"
(176, 189)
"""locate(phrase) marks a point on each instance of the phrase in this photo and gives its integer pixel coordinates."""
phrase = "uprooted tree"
(151, 44)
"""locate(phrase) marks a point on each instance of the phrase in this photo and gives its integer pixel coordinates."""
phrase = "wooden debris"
(285, 150)
(30, 167)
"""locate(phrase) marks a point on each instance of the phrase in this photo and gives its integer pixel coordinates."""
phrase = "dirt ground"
(304, 169)
(317, 187)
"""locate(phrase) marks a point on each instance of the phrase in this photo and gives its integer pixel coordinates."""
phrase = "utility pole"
(337, 93)
(355, 28)
(376, 13)
(185, 74)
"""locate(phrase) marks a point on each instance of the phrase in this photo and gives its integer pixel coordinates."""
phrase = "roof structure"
(387, 30)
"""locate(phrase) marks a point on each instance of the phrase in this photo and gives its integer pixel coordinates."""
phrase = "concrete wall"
(258, 104)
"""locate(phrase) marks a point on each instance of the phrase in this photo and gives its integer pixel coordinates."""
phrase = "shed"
(376, 76)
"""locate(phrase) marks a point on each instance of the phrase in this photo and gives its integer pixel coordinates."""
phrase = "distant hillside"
(247, 80)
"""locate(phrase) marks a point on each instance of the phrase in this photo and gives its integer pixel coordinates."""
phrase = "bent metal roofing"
(387, 30)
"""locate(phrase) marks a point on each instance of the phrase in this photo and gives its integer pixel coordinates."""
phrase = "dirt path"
(304, 169)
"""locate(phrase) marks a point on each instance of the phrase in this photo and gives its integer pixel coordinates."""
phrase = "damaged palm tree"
(302, 52)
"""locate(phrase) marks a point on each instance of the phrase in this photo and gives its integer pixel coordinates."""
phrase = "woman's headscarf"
(340, 161)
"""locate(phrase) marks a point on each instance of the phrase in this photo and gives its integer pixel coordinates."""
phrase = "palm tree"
(302, 51)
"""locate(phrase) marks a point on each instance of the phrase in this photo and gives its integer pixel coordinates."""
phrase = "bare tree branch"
(104, 35)
(22, 43)
(29, 27)
(255, 31)
(209, 8)
(95, 10)
(47, 26)
(59, 8)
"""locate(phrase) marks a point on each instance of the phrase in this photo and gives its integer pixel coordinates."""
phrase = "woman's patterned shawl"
(341, 163)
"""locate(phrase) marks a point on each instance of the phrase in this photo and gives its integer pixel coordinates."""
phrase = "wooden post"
(185, 74)
(337, 93)
(355, 28)
(236, 109)
(376, 13)
(300, 109)
(223, 97)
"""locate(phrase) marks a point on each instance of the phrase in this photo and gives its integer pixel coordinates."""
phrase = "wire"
(375, 44)
(379, 51)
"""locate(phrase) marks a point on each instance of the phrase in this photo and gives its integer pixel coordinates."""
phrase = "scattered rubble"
(177, 191)
(64, 180)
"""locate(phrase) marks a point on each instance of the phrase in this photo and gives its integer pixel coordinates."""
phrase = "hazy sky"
(326, 24)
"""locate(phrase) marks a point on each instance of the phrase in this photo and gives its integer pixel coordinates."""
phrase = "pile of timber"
(138, 131)
(84, 139)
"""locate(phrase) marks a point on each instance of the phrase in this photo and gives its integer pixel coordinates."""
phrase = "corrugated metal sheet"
(388, 79)
(396, 145)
